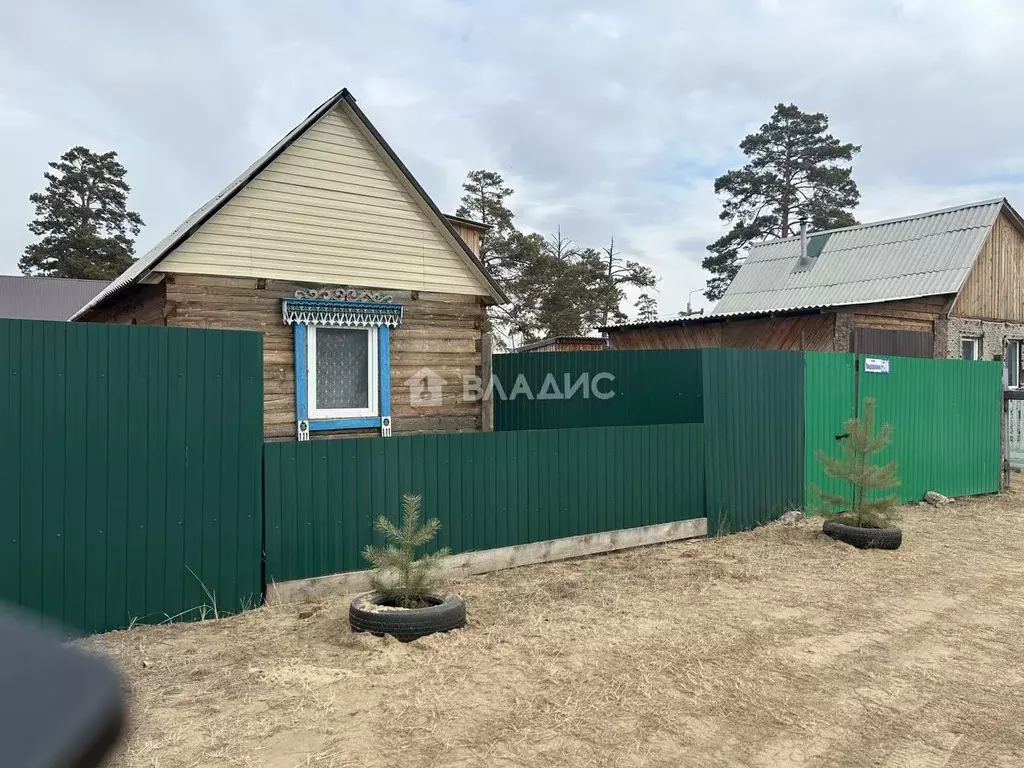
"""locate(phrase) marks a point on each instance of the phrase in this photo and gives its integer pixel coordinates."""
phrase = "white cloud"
(606, 121)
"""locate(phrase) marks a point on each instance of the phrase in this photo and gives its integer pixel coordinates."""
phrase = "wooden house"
(371, 302)
(565, 344)
(946, 284)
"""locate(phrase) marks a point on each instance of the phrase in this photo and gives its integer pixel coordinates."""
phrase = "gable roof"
(188, 227)
(26, 297)
(926, 254)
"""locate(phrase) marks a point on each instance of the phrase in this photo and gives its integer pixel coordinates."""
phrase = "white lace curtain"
(342, 368)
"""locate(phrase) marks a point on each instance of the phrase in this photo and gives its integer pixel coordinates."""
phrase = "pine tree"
(484, 201)
(796, 169)
(82, 218)
(622, 273)
(859, 443)
(562, 289)
(556, 287)
(398, 573)
(647, 308)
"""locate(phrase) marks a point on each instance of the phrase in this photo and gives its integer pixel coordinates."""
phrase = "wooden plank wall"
(995, 288)
(569, 346)
(442, 332)
(470, 235)
(907, 315)
(800, 332)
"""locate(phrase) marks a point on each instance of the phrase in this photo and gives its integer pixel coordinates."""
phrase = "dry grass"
(777, 647)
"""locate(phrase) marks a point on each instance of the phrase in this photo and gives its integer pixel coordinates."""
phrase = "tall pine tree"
(563, 289)
(556, 286)
(796, 169)
(623, 272)
(82, 219)
(483, 200)
(646, 308)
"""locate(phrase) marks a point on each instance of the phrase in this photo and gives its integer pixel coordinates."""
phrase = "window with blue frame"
(342, 358)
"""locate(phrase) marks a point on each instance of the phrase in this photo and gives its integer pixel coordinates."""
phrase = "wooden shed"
(565, 344)
(371, 302)
(945, 284)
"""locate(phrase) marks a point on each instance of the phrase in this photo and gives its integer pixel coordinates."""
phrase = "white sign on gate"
(876, 365)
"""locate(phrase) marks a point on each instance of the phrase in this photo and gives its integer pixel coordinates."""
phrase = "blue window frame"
(370, 408)
(302, 382)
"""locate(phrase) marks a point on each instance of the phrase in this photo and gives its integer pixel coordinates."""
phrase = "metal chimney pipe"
(803, 239)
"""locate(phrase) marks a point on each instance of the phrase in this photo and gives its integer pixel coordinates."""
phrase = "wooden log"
(490, 560)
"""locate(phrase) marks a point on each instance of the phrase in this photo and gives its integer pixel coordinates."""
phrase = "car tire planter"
(371, 613)
(864, 538)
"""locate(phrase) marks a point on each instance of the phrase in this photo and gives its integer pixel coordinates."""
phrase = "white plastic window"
(342, 372)
(970, 347)
(1011, 363)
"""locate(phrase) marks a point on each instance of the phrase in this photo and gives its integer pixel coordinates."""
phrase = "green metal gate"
(945, 417)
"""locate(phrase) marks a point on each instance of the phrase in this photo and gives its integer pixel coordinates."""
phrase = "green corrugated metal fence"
(754, 421)
(945, 417)
(128, 455)
(830, 394)
(750, 400)
(650, 387)
(488, 489)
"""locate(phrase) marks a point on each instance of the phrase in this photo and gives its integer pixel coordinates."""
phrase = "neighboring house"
(565, 344)
(947, 283)
(44, 298)
(330, 248)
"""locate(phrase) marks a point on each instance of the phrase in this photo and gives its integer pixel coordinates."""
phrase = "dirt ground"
(777, 647)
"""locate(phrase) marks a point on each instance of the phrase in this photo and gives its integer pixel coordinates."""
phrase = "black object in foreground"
(864, 538)
(370, 613)
(59, 707)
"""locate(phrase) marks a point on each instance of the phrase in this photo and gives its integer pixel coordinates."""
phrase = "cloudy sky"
(605, 120)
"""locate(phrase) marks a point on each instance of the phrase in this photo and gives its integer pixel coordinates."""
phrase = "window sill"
(321, 425)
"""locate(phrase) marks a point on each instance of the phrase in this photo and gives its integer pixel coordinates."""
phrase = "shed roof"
(149, 261)
(596, 341)
(926, 254)
(44, 298)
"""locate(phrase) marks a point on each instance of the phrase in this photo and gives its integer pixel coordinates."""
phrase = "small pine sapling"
(398, 574)
(858, 444)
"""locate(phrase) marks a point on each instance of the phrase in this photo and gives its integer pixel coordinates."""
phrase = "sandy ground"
(777, 647)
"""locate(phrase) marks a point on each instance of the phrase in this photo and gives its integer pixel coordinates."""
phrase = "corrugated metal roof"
(214, 204)
(44, 298)
(923, 255)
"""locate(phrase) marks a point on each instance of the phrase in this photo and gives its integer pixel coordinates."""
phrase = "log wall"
(442, 332)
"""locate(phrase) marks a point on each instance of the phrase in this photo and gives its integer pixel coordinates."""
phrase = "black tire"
(864, 538)
(405, 624)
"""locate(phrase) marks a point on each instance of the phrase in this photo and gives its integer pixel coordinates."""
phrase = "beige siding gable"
(329, 209)
(994, 289)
